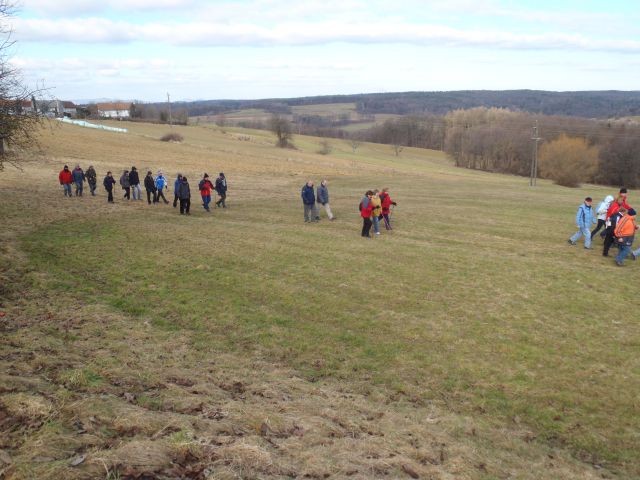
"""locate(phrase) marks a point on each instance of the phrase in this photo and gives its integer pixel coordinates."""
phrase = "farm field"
(470, 343)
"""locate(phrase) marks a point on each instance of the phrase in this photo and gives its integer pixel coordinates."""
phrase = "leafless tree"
(354, 144)
(282, 128)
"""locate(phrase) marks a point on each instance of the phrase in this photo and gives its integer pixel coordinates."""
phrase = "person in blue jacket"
(584, 221)
(161, 184)
(176, 187)
(309, 201)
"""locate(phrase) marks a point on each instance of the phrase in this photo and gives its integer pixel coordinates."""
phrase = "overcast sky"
(196, 49)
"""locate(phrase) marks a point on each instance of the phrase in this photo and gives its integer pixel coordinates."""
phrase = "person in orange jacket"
(625, 232)
(66, 179)
(366, 208)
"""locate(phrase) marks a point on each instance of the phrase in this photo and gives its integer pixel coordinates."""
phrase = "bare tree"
(282, 128)
(325, 147)
(19, 120)
(354, 144)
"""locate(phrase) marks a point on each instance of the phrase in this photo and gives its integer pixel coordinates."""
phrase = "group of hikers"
(154, 186)
(618, 220)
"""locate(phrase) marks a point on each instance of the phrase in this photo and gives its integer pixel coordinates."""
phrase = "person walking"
(221, 190)
(621, 201)
(108, 183)
(366, 207)
(601, 213)
(625, 232)
(323, 198)
(386, 202)
(124, 183)
(309, 201)
(66, 179)
(376, 212)
(161, 184)
(184, 194)
(150, 187)
(78, 179)
(92, 179)
(584, 220)
(609, 238)
(176, 186)
(205, 188)
(134, 183)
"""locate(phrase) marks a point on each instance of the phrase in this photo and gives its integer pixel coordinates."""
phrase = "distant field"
(328, 109)
(469, 343)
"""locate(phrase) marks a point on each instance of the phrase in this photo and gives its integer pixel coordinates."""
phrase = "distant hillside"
(595, 104)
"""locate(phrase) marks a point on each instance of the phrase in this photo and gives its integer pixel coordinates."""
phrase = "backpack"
(360, 206)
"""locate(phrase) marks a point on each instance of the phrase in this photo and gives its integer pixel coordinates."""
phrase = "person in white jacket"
(601, 215)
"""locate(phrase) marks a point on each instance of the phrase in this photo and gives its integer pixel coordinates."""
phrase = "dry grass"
(245, 344)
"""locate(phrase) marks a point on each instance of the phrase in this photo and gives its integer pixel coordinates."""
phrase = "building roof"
(104, 107)
(66, 104)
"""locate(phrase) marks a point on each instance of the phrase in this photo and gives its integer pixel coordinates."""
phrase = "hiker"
(161, 184)
(601, 213)
(624, 233)
(150, 187)
(376, 212)
(323, 198)
(92, 179)
(108, 183)
(221, 189)
(366, 208)
(78, 179)
(609, 238)
(309, 201)
(584, 220)
(205, 188)
(66, 179)
(124, 183)
(176, 185)
(621, 201)
(386, 201)
(184, 194)
(134, 183)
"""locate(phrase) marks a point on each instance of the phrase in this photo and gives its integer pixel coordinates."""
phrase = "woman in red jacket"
(386, 205)
(66, 179)
(366, 207)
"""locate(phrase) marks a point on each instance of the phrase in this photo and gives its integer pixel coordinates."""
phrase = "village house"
(113, 109)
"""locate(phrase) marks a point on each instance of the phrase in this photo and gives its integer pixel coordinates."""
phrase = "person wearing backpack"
(625, 232)
(309, 202)
(609, 238)
(376, 212)
(323, 198)
(161, 184)
(584, 220)
(108, 183)
(386, 202)
(601, 213)
(221, 190)
(184, 193)
(124, 183)
(205, 186)
(92, 179)
(150, 187)
(134, 182)
(366, 207)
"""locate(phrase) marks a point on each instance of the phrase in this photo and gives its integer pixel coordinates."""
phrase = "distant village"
(65, 108)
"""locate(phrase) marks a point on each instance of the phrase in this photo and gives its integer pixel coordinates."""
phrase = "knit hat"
(588, 199)
(631, 212)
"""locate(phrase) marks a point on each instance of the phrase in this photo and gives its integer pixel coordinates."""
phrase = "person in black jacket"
(108, 183)
(92, 179)
(184, 194)
(150, 187)
(134, 182)
(609, 238)
(221, 190)
(308, 195)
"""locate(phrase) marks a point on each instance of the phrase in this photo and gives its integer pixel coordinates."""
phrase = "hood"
(608, 199)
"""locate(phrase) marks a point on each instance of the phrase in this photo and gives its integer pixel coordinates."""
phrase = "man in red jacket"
(386, 207)
(66, 179)
(366, 207)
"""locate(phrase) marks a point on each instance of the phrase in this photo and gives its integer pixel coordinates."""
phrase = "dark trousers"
(160, 194)
(223, 197)
(608, 240)
(185, 203)
(366, 226)
(92, 187)
(151, 195)
(175, 201)
(387, 222)
(110, 196)
(127, 193)
(597, 229)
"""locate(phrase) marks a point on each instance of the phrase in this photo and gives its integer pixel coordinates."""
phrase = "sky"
(249, 49)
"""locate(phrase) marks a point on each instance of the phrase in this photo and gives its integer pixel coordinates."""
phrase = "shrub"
(568, 161)
(172, 137)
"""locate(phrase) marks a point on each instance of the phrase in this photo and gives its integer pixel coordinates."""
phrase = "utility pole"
(534, 160)
(169, 102)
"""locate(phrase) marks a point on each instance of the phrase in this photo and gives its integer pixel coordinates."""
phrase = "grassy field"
(471, 342)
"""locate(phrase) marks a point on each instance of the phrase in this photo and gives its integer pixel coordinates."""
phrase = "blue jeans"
(79, 186)
(636, 253)
(206, 199)
(67, 189)
(625, 250)
(376, 224)
(587, 236)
